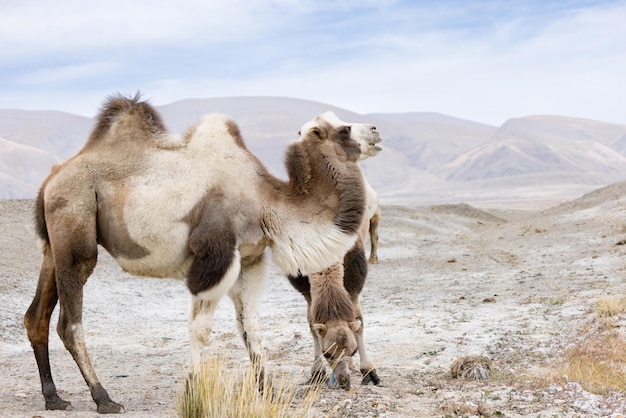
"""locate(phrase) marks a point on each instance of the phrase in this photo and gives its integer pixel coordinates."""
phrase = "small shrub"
(471, 367)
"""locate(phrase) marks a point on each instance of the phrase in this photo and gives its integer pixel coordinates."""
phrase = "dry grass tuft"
(609, 307)
(471, 367)
(218, 391)
(598, 363)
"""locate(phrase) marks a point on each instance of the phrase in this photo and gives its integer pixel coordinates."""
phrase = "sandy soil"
(517, 287)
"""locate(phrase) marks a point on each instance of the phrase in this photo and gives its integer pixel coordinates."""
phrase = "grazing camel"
(336, 318)
(198, 206)
(333, 310)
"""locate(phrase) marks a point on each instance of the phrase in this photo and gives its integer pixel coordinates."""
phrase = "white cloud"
(486, 61)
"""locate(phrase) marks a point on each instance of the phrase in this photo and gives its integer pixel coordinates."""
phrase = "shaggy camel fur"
(368, 142)
(333, 309)
(198, 206)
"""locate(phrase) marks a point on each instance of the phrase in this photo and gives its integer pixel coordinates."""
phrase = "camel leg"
(246, 297)
(374, 237)
(355, 273)
(75, 258)
(37, 324)
(318, 371)
(367, 367)
(215, 267)
(203, 307)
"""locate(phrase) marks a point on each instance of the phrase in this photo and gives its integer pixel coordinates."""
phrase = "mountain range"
(427, 158)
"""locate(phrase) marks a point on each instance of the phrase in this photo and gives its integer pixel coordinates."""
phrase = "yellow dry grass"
(218, 391)
(609, 307)
(598, 361)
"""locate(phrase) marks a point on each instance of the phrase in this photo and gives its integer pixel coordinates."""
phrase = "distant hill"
(427, 157)
(545, 145)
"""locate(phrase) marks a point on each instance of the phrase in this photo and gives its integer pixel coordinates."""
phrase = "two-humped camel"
(198, 206)
(333, 310)
(368, 144)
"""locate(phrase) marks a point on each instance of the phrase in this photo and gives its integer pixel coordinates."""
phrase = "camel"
(198, 206)
(369, 148)
(335, 316)
(333, 310)
(368, 144)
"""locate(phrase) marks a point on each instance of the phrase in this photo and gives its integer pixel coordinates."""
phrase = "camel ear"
(355, 326)
(317, 132)
(320, 329)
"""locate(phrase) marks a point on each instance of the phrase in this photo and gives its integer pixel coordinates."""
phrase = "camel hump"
(144, 116)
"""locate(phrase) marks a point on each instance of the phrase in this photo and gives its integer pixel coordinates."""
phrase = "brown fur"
(330, 300)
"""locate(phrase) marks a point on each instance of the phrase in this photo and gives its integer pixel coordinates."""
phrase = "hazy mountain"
(428, 157)
(22, 168)
(544, 144)
(62, 134)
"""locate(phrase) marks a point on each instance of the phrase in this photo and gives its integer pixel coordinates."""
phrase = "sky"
(482, 60)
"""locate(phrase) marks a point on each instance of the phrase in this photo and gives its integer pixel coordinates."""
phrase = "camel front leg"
(246, 297)
(367, 367)
(205, 301)
(318, 369)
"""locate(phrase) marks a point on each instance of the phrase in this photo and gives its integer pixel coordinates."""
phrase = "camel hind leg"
(37, 324)
(72, 232)
(373, 230)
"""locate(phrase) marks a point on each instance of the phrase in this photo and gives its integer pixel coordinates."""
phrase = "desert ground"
(518, 287)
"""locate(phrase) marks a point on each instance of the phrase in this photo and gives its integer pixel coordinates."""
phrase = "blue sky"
(481, 60)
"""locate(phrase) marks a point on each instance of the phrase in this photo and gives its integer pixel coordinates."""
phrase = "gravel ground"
(517, 287)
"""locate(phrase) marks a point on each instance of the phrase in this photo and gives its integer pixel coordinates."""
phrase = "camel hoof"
(57, 404)
(110, 407)
(373, 260)
(370, 376)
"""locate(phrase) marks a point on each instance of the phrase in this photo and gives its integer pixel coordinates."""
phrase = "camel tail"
(41, 229)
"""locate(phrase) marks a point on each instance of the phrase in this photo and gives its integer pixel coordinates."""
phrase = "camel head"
(365, 134)
(338, 343)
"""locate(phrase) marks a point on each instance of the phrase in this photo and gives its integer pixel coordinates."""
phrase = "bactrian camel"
(370, 148)
(198, 206)
(333, 310)
(368, 141)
